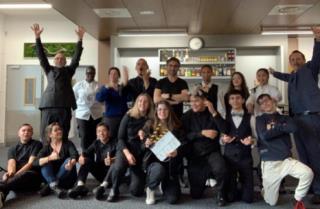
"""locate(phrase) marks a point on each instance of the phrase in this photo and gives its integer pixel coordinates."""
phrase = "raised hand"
(271, 70)
(210, 107)
(80, 32)
(125, 73)
(37, 30)
(316, 32)
(53, 156)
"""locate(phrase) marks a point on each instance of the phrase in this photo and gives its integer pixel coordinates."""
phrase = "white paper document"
(165, 145)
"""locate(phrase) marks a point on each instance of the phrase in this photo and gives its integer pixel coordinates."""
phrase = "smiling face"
(90, 74)
(262, 77)
(143, 105)
(236, 81)
(197, 104)
(267, 104)
(102, 134)
(25, 133)
(114, 76)
(56, 133)
(296, 60)
(59, 60)
(236, 101)
(173, 68)
(162, 112)
(206, 74)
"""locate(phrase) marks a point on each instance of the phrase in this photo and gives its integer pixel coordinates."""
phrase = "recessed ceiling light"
(146, 12)
(25, 6)
(289, 9)
(112, 12)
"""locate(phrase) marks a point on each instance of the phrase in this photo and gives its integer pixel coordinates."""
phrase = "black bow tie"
(237, 114)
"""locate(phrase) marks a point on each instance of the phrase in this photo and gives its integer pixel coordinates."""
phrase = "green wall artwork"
(50, 49)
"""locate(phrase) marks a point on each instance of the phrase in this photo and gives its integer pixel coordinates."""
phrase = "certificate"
(165, 145)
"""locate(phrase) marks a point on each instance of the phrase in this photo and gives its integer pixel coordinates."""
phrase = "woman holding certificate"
(165, 172)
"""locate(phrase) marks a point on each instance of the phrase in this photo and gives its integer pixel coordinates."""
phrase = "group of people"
(117, 142)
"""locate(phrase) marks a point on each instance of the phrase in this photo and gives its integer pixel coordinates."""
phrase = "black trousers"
(97, 169)
(87, 132)
(199, 169)
(113, 123)
(241, 170)
(26, 181)
(161, 173)
(50, 115)
(137, 176)
(307, 139)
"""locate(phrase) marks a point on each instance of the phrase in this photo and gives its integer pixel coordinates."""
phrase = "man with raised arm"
(58, 97)
(304, 104)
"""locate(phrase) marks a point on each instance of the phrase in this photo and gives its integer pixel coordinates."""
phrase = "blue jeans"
(53, 172)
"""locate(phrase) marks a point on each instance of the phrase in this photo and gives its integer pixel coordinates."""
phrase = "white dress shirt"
(237, 117)
(87, 105)
(265, 89)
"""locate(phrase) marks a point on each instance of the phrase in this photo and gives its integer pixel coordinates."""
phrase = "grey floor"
(34, 201)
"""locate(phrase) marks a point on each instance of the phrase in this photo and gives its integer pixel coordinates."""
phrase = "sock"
(53, 184)
(104, 184)
(80, 183)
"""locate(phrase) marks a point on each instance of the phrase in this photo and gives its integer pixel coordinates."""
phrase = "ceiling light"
(146, 12)
(112, 12)
(289, 9)
(153, 32)
(286, 31)
(25, 6)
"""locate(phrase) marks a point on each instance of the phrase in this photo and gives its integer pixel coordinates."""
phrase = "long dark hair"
(172, 122)
(244, 87)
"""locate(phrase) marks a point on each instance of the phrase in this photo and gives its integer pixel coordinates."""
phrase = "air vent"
(112, 13)
(290, 9)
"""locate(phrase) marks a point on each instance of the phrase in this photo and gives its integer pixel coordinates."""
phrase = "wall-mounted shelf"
(222, 61)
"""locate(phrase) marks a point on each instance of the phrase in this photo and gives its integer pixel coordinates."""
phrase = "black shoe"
(2, 199)
(220, 200)
(113, 196)
(99, 192)
(45, 190)
(315, 199)
(61, 193)
(78, 191)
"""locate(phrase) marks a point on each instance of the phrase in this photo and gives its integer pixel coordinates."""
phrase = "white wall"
(15, 31)
(305, 45)
(2, 81)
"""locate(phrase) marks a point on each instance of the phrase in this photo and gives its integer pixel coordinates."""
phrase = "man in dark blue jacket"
(274, 145)
(304, 103)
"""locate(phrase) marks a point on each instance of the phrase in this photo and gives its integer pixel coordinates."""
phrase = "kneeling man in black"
(203, 142)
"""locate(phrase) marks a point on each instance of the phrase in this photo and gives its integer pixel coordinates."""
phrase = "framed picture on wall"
(29, 91)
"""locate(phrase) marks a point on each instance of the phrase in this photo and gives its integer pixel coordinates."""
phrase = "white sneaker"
(1, 199)
(150, 200)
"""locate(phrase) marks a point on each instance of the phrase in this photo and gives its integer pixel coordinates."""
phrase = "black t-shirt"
(137, 87)
(173, 88)
(22, 152)
(101, 150)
